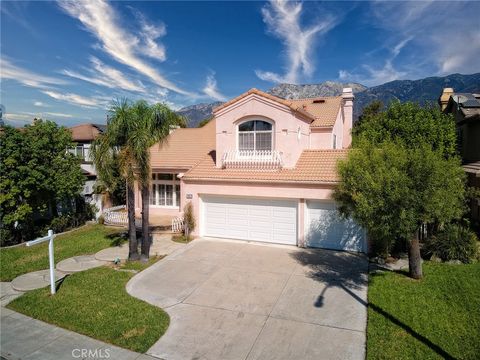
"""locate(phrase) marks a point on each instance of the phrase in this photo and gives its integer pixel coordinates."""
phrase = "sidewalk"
(22, 337)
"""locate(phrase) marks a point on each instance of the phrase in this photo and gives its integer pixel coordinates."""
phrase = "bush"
(189, 219)
(454, 242)
(60, 224)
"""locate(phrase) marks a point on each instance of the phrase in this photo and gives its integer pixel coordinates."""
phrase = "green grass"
(182, 239)
(86, 240)
(140, 265)
(95, 303)
(437, 317)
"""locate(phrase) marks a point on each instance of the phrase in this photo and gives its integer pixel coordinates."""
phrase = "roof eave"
(186, 178)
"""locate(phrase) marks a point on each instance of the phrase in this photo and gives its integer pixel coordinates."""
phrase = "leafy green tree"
(37, 173)
(153, 124)
(112, 147)
(112, 184)
(204, 122)
(402, 173)
(132, 129)
(409, 125)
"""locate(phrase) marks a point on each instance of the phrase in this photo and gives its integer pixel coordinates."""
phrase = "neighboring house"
(465, 108)
(83, 135)
(263, 169)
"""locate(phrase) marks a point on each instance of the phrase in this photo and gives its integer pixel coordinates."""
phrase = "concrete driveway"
(238, 300)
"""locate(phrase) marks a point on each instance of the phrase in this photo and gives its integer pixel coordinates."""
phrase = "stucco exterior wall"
(338, 131)
(291, 132)
(196, 190)
(347, 115)
(321, 138)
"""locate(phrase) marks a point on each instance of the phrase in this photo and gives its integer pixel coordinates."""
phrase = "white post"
(52, 263)
(48, 238)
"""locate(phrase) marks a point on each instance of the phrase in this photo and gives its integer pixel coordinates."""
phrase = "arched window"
(255, 135)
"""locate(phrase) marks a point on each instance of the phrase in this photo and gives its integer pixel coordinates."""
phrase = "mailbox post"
(48, 238)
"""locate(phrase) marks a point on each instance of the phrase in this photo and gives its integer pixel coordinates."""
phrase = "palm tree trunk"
(132, 230)
(146, 241)
(414, 258)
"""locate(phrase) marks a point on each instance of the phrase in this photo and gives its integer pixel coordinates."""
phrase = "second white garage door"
(326, 229)
(255, 219)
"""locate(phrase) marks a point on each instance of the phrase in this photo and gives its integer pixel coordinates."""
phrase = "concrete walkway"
(235, 300)
(22, 337)
(8, 293)
(35, 280)
(162, 245)
(79, 263)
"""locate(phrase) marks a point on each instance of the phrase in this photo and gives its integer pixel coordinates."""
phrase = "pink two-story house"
(262, 170)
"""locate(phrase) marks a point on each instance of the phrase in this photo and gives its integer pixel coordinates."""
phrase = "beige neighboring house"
(83, 135)
(465, 108)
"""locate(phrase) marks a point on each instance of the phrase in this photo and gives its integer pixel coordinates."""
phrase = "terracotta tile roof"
(322, 110)
(313, 166)
(86, 132)
(184, 148)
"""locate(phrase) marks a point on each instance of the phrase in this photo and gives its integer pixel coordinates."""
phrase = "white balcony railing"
(252, 159)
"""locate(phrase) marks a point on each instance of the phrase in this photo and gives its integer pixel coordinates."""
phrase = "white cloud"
(40, 104)
(211, 89)
(76, 99)
(104, 75)
(18, 117)
(26, 77)
(100, 19)
(150, 33)
(372, 75)
(447, 33)
(283, 20)
(62, 115)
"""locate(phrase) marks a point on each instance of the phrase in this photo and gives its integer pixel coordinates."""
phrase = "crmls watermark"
(91, 353)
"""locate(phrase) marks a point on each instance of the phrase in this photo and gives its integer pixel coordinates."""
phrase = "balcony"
(252, 159)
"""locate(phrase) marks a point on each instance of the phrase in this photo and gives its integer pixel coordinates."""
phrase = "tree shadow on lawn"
(117, 238)
(349, 272)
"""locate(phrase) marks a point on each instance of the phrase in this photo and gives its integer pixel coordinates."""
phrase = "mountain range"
(422, 91)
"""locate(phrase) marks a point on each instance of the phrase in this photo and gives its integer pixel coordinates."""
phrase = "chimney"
(347, 107)
(443, 99)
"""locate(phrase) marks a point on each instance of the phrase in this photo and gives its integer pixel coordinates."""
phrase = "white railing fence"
(118, 215)
(252, 159)
(177, 224)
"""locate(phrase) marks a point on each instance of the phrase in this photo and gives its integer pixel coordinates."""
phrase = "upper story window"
(255, 135)
(82, 151)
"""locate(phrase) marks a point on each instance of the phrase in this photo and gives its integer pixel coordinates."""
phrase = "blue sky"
(65, 61)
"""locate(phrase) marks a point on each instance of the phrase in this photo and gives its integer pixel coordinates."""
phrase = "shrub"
(454, 242)
(188, 219)
(101, 220)
(60, 224)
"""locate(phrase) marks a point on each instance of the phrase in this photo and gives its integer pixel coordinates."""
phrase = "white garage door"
(326, 229)
(255, 219)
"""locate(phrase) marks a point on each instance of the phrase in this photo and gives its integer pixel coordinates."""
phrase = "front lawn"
(86, 240)
(437, 317)
(95, 303)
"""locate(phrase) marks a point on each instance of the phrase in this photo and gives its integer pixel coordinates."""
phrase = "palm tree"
(152, 126)
(116, 144)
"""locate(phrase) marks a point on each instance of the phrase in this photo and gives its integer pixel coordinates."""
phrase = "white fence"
(177, 224)
(252, 159)
(118, 215)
